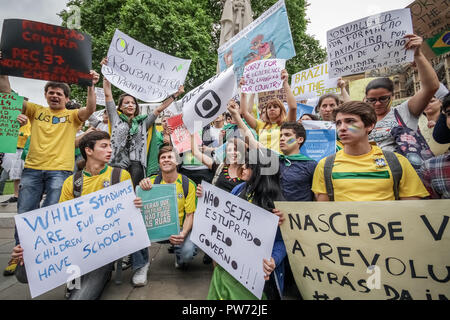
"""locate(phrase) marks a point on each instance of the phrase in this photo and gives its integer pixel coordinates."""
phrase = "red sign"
(181, 138)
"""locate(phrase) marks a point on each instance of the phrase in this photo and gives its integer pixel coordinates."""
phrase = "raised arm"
(234, 111)
(244, 109)
(166, 103)
(207, 161)
(91, 103)
(429, 82)
(292, 103)
(5, 87)
(344, 94)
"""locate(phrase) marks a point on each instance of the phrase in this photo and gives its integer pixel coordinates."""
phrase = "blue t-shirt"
(296, 180)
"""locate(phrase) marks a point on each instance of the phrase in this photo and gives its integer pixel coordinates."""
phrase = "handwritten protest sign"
(370, 43)
(320, 139)
(313, 82)
(180, 136)
(263, 75)
(268, 37)
(265, 97)
(369, 250)
(160, 211)
(209, 100)
(100, 95)
(43, 51)
(82, 234)
(10, 108)
(145, 73)
(236, 234)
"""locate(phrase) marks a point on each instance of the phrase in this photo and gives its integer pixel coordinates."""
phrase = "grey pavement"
(164, 281)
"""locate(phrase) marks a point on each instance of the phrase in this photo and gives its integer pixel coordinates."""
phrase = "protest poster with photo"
(205, 103)
(369, 43)
(43, 51)
(380, 250)
(143, 72)
(313, 82)
(180, 136)
(263, 75)
(67, 240)
(320, 139)
(268, 37)
(160, 211)
(236, 234)
(10, 108)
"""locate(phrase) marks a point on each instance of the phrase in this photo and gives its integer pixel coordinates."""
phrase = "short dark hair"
(165, 149)
(384, 83)
(64, 86)
(90, 139)
(121, 97)
(312, 116)
(298, 128)
(362, 109)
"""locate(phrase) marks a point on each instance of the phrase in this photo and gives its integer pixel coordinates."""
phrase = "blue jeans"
(185, 252)
(33, 185)
(92, 284)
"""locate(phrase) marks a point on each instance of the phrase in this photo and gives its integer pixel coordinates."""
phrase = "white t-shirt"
(381, 134)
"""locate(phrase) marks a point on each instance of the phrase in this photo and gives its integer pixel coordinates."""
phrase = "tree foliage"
(188, 29)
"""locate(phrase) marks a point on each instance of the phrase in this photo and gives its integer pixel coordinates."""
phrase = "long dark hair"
(262, 189)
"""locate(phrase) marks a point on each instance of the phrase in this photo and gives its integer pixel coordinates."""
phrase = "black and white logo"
(208, 104)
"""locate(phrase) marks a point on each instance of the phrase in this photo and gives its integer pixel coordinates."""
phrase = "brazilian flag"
(440, 43)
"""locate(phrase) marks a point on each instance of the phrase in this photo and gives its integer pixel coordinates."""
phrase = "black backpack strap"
(396, 169)
(115, 175)
(158, 179)
(185, 185)
(77, 184)
(327, 172)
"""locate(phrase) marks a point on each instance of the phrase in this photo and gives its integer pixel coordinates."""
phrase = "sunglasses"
(382, 99)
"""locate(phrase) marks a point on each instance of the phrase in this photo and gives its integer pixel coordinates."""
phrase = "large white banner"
(236, 234)
(370, 43)
(66, 240)
(209, 100)
(263, 75)
(313, 82)
(145, 73)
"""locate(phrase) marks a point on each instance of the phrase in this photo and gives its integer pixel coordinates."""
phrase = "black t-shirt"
(224, 181)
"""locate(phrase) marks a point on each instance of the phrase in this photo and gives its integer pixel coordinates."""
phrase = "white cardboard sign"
(236, 234)
(313, 82)
(79, 236)
(263, 75)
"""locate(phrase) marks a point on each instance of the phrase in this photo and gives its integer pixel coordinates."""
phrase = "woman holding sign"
(269, 131)
(129, 133)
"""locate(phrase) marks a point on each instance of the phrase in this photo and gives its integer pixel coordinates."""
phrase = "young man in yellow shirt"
(360, 171)
(51, 156)
(185, 249)
(96, 149)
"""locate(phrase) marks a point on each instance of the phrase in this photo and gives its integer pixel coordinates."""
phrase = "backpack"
(393, 163)
(410, 143)
(78, 180)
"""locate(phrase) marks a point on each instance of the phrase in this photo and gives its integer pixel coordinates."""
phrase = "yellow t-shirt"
(185, 204)
(367, 178)
(24, 133)
(52, 145)
(91, 183)
(269, 136)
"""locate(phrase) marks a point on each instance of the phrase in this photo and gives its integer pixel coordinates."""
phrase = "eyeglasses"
(382, 99)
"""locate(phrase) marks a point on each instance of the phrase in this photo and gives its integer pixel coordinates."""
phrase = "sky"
(323, 15)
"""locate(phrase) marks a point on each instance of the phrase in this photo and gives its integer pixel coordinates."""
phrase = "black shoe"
(207, 259)
(10, 200)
